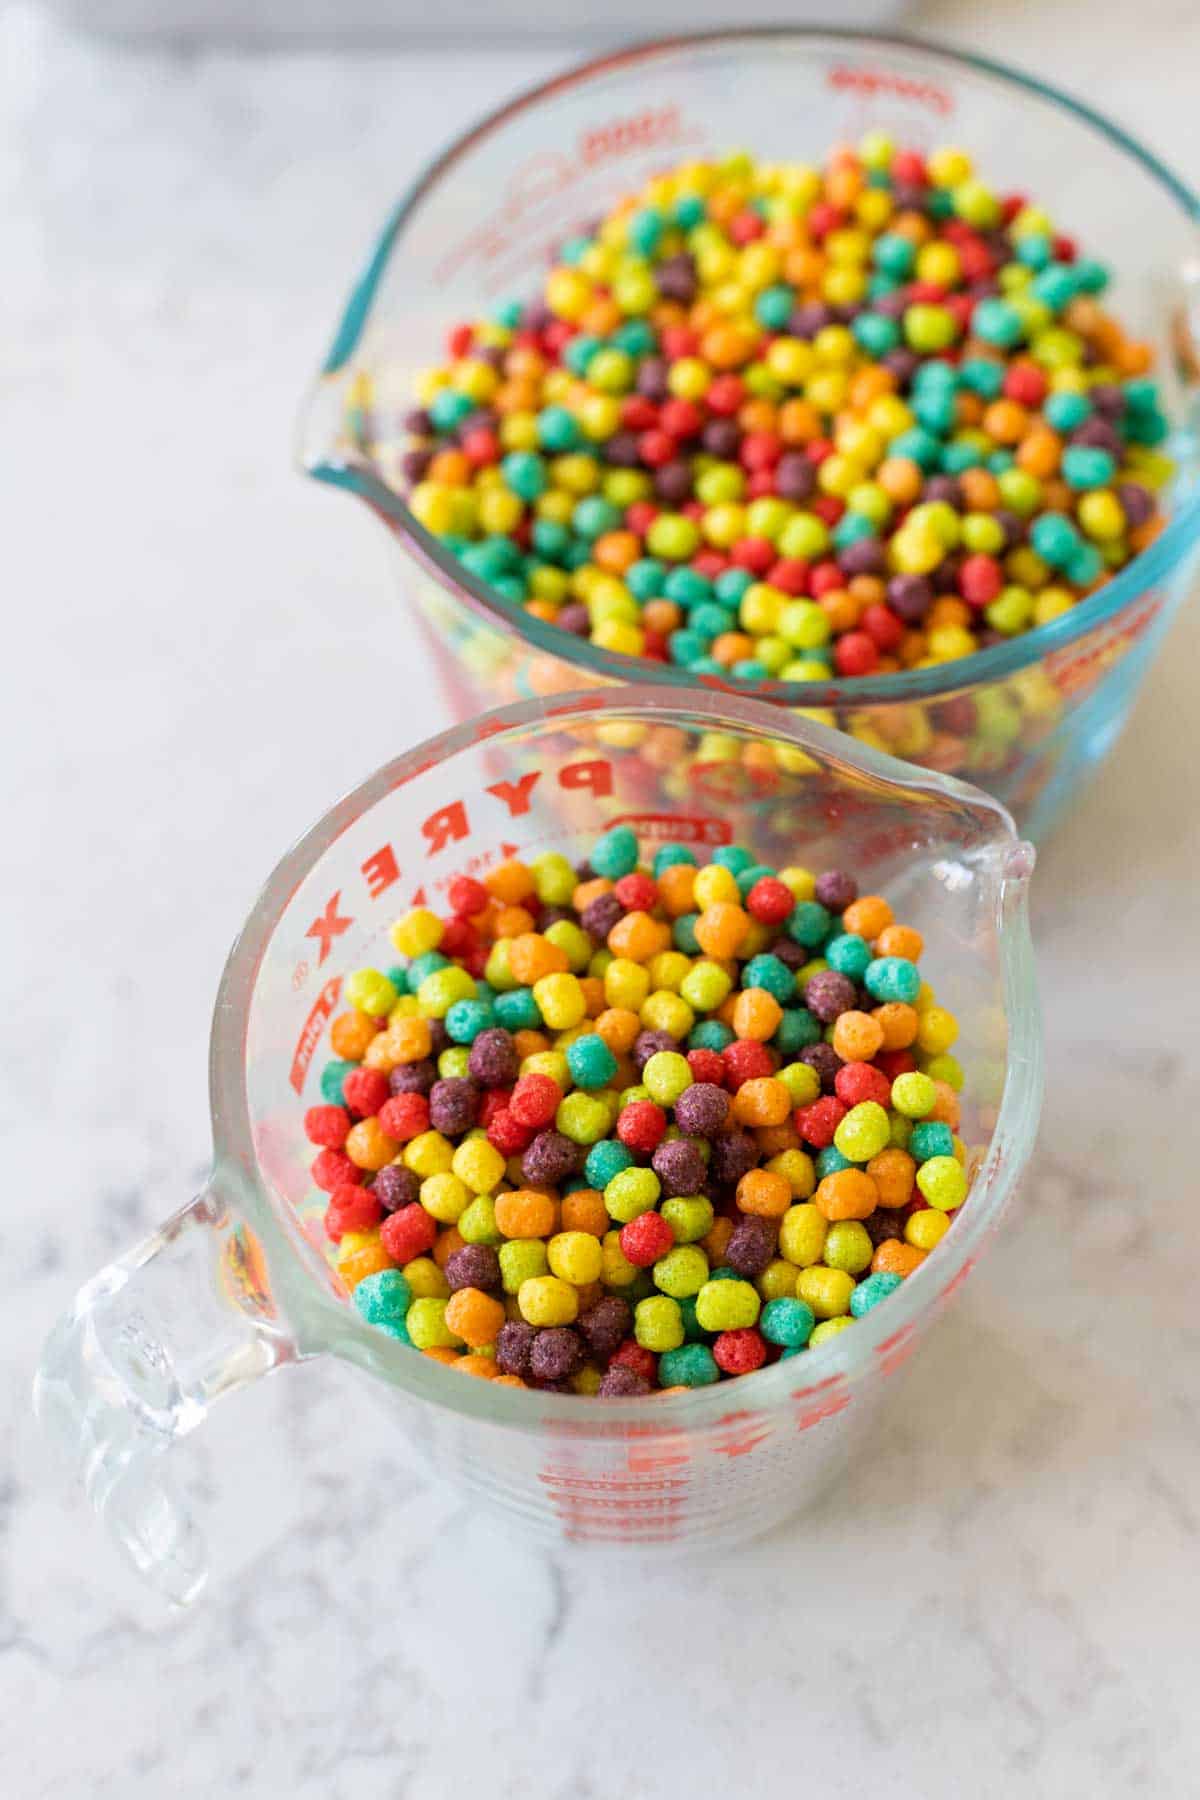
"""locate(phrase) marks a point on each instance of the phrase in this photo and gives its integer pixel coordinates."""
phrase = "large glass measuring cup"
(1026, 719)
(237, 1282)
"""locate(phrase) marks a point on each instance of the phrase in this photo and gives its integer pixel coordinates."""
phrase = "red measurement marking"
(1073, 670)
(670, 828)
(870, 82)
(330, 925)
(821, 1401)
(310, 1036)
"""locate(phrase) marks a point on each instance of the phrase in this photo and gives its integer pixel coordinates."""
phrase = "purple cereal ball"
(795, 477)
(652, 379)
(910, 597)
(439, 1038)
(909, 196)
(513, 1347)
(673, 482)
(1137, 502)
(892, 306)
(574, 618)
(792, 955)
(825, 1060)
(395, 1186)
(721, 438)
(902, 364)
(474, 1266)
(555, 915)
(752, 1245)
(1012, 525)
(836, 889)
(414, 465)
(600, 915)
(606, 1325)
(676, 278)
(621, 450)
(419, 424)
(1108, 397)
(550, 1158)
(734, 1154)
(883, 1224)
(865, 557)
(828, 995)
(623, 1384)
(702, 1109)
(584, 872)
(809, 318)
(453, 1105)
(1099, 434)
(493, 1060)
(557, 1353)
(679, 1166)
(412, 1078)
(648, 1044)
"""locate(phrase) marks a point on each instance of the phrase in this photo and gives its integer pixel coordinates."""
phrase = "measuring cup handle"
(148, 1344)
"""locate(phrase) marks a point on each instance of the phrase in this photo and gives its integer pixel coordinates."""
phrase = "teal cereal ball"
(930, 1138)
(788, 1323)
(849, 954)
(891, 978)
(692, 1365)
(871, 1291)
(332, 1076)
(772, 975)
(467, 1018)
(604, 1161)
(670, 856)
(517, 1010)
(383, 1298)
(590, 1061)
(615, 853)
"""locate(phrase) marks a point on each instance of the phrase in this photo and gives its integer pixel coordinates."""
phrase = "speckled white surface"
(1006, 1603)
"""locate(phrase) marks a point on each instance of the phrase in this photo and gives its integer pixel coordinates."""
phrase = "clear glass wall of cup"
(238, 1283)
(1026, 719)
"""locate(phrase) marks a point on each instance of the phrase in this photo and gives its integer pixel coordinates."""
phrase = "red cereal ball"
(828, 508)
(631, 1355)
(818, 1121)
(466, 896)
(680, 340)
(856, 653)
(637, 892)
(859, 1081)
(790, 575)
(638, 413)
(755, 555)
(351, 1209)
(640, 516)
(682, 418)
(535, 1100)
(506, 1133)
(725, 393)
(408, 1233)
(642, 1126)
(823, 578)
(740, 1352)
(404, 1116)
(707, 1065)
(459, 340)
(481, 447)
(364, 1091)
(645, 1239)
(760, 450)
(475, 960)
(327, 1126)
(494, 1101)
(1026, 384)
(656, 448)
(882, 626)
(908, 167)
(333, 1168)
(770, 901)
(979, 580)
(458, 937)
(895, 1062)
(744, 227)
(746, 1060)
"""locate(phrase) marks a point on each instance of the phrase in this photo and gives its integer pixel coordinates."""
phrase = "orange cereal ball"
(900, 940)
(474, 1316)
(867, 916)
(847, 1194)
(526, 1213)
(762, 1192)
(369, 1147)
(893, 1257)
(721, 928)
(756, 1015)
(898, 1023)
(894, 1173)
(530, 956)
(350, 1035)
(857, 1036)
(638, 937)
(763, 1100)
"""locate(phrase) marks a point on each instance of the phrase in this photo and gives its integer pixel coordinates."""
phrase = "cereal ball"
(556, 1353)
(493, 1060)
(396, 1186)
(702, 1109)
(622, 1384)
(829, 994)
(453, 1106)
(413, 1078)
(679, 1166)
(474, 1266)
(514, 1346)
(752, 1245)
(734, 1154)
(550, 1159)
(605, 1326)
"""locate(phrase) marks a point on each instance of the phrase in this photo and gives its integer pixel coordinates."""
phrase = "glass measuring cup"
(237, 1283)
(1026, 719)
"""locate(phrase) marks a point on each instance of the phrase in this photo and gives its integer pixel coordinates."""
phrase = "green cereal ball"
(682, 1272)
(467, 1018)
(583, 1118)
(477, 1224)
(569, 938)
(945, 1068)
(691, 1365)
(427, 1328)
(658, 1323)
(849, 954)
(828, 1328)
(615, 853)
(727, 1305)
(631, 1193)
(454, 1062)
(521, 1259)
(943, 1181)
(849, 1247)
(517, 1010)
(914, 1095)
(666, 1076)
(690, 1217)
(332, 1076)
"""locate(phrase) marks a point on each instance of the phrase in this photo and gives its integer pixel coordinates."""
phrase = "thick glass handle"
(148, 1344)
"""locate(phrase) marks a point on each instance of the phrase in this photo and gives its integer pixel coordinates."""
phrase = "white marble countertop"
(1006, 1606)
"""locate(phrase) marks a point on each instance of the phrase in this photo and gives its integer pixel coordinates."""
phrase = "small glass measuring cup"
(237, 1283)
(1027, 719)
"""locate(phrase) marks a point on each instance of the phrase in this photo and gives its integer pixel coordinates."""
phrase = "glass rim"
(331, 1321)
(982, 666)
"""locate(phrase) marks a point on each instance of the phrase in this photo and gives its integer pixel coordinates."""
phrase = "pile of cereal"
(612, 1129)
(776, 422)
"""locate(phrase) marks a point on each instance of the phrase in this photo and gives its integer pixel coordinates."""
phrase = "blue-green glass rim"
(980, 669)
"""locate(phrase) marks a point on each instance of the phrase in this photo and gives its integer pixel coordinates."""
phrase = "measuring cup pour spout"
(148, 1344)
